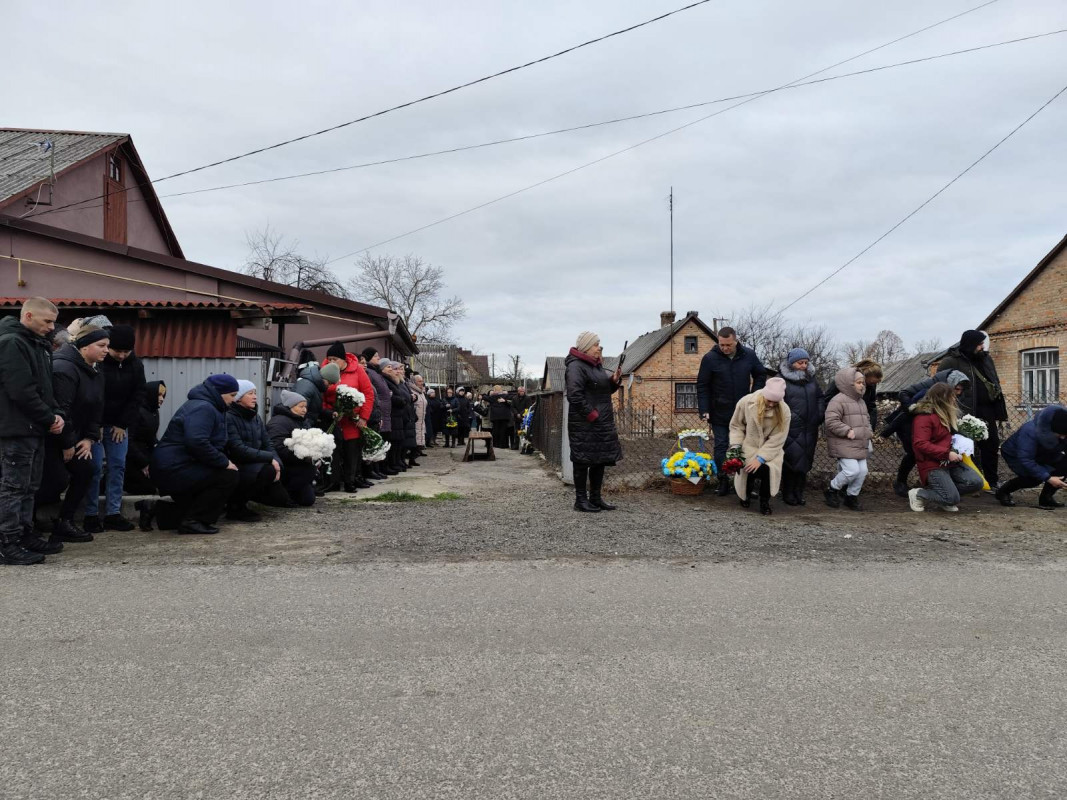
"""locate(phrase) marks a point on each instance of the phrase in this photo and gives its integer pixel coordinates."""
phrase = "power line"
(926, 202)
(423, 99)
(660, 135)
(602, 123)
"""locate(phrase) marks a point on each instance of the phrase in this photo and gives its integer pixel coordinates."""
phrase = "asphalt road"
(534, 679)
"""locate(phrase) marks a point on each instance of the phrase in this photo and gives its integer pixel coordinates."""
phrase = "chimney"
(666, 318)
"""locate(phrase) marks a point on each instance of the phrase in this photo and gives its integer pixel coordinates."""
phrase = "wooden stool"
(476, 436)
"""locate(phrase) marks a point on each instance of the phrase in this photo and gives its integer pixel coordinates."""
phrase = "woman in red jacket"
(941, 471)
(350, 427)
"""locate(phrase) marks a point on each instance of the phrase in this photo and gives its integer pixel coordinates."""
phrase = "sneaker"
(17, 556)
(950, 509)
(915, 501)
(35, 544)
(833, 497)
(92, 524)
(117, 522)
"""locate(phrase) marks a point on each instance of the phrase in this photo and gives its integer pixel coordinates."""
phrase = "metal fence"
(645, 444)
(182, 374)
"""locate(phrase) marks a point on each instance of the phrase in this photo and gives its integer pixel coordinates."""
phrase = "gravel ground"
(515, 509)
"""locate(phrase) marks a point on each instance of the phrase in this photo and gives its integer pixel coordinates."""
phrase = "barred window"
(1041, 375)
(685, 396)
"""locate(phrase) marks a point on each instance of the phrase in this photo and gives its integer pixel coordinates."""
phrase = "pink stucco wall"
(85, 182)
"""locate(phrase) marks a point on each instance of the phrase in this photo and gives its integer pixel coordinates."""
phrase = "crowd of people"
(77, 418)
(775, 418)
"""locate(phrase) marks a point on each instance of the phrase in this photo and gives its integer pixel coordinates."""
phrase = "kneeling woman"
(298, 474)
(79, 392)
(250, 448)
(760, 426)
(941, 471)
(190, 462)
(591, 421)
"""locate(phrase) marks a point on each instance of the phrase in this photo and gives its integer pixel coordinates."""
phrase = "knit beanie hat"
(369, 352)
(243, 388)
(587, 340)
(223, 383)
(337, 350)
(331, 373)
(89, 335)
(955, 378)
(1059, 421)
(970, 340)
(122, 337)
(290, 399)
(795, 355)
(774, 390)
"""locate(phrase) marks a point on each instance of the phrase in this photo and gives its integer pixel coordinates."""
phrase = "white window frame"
(1040, 367)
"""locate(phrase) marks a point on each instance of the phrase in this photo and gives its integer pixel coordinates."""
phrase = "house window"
(690, 344)
(114, 168)
(1041, 375)
(685, 396)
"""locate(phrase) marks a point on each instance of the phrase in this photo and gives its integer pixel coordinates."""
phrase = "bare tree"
(886, 348)
(772, 337)
(413, 289)
(924, 346)
(272, 258)
(513, 373)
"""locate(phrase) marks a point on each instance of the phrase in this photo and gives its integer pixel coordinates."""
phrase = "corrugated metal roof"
(27, 157)
(900, 375)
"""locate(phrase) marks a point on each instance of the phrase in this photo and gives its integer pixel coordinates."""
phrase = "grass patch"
(409, 497)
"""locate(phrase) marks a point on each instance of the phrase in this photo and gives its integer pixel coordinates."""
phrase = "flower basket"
(685, 487)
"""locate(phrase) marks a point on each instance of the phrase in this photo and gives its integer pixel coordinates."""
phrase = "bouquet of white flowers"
(973, 428)
(312, 444)
(375, 447)
(348, 400)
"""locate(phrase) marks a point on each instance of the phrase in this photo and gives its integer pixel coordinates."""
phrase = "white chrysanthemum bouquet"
(973, 428)
(312, 444)
(348, 400)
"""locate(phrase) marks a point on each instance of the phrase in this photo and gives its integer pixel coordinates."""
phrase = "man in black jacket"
(124, 393)
(728, 372)
(27, 416)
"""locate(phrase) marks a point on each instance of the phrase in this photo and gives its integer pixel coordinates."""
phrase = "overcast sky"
(769, 198)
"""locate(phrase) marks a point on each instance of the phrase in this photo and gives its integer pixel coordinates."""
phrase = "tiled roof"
(27, 157)
(64, 302)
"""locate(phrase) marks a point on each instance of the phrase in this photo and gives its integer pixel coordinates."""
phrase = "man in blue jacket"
(1037, 454)
(728, 372)
(190, 462)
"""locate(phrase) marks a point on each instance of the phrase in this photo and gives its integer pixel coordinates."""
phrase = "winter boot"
(66, 531)
(852, 502)
(1047, 501)
(91, 524)
(798, 490)
(146, 512)
(117, 522)
(833, 497)
(35, 544)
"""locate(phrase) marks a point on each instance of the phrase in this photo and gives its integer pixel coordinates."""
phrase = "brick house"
(661, 367)
(1028, 332)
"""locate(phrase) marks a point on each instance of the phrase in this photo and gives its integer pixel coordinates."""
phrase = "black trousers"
(203, 501)
(513, 437)
(988, 453)
(76, 475)
(1058, 470)
(794, 483)
(588, 480)
(23, 466)
(253, 481)
(500, 433)
(353, 450)
(763, 476)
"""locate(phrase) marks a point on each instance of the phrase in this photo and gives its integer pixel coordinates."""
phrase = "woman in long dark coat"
(803, 395)
(591, 421)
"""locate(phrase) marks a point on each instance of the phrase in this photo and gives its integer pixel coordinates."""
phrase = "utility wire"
(423, 99)
(660, 135)
(925, 203)
(602, 123)
(591, 125)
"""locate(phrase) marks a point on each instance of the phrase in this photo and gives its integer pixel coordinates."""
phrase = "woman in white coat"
(760, 425)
